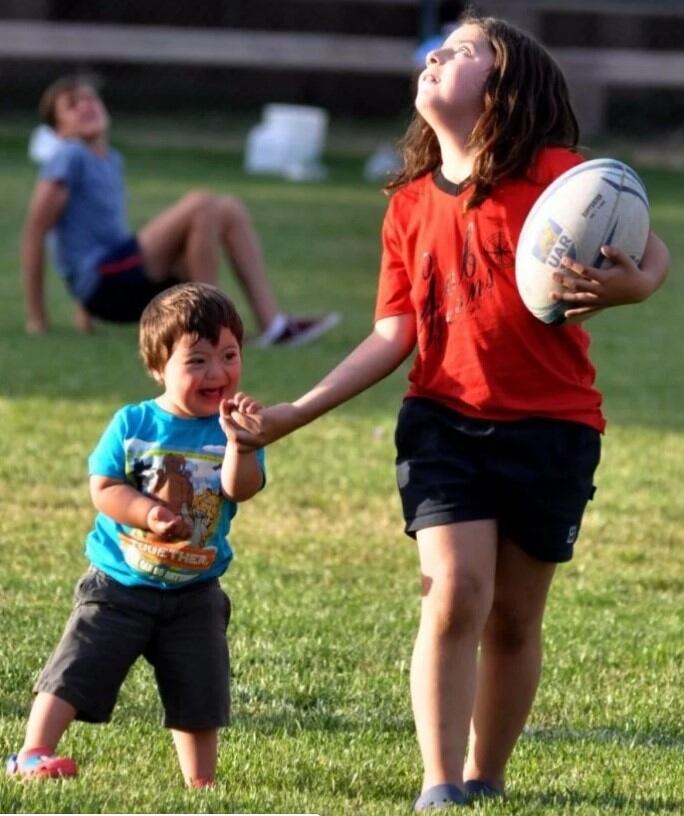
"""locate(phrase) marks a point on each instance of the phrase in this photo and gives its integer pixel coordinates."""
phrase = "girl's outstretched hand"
(255, 429)
(587, 289)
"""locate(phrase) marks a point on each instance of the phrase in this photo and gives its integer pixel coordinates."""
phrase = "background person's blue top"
(177, 461)
(94, 219)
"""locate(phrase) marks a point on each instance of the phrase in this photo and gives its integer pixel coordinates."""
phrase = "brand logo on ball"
(551, 244)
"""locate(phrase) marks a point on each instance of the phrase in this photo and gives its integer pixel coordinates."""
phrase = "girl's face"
(450, 89)
(199, 374)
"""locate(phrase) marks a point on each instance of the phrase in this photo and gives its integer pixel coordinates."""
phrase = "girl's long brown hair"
(526, 107)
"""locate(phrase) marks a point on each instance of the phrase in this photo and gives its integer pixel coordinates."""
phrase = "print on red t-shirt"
(479, 350)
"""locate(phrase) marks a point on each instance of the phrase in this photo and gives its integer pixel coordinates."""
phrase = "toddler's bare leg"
(49, 718)
(197, 753)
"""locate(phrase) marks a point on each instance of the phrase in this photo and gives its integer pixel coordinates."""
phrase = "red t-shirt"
(480, 351)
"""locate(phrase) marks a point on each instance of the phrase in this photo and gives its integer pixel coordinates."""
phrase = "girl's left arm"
(587, 289)
(241, 473)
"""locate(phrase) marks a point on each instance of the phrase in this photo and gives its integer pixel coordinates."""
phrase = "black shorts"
(534, 476)
(180, 632)
(123, 288)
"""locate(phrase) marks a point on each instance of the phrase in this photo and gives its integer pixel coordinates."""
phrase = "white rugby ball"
(599, 202)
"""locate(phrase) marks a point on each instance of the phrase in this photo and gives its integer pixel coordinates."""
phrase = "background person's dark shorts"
(181, 633)
(534, 477)
(123, 289)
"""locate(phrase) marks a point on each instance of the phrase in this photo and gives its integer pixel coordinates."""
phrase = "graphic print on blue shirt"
(177, 461)
(190, 486)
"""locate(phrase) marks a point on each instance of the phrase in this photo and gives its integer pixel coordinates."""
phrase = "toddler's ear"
(158, 377)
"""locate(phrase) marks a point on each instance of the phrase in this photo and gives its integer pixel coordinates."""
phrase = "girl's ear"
(158, 377)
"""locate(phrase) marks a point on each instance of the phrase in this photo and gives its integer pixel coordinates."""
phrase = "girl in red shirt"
(499, 435)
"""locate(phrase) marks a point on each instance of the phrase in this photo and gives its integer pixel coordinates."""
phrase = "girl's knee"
(512, 630)
(456, 606)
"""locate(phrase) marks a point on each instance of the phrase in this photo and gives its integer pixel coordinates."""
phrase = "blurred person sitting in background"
(79, 201)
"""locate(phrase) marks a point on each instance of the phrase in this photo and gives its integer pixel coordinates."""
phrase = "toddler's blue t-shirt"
(176, 460)
(94, 219)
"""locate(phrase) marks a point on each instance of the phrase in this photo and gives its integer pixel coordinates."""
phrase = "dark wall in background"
(167, 88)
(138, 87)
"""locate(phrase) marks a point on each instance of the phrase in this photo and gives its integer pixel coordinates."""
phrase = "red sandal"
(40, 763)
(201, 782)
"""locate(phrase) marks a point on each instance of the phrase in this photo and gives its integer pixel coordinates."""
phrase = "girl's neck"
(457, 159)
(456, 168)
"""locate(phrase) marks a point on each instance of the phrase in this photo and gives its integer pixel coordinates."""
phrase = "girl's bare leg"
(458, 563)
(510, 662)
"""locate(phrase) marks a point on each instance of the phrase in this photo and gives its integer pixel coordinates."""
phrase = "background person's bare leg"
(190, 236)
(82, 319)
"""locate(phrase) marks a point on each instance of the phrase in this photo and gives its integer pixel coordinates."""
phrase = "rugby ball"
(598, 202)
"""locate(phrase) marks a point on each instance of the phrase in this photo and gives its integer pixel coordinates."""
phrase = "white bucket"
(289, 141)
(266, 151)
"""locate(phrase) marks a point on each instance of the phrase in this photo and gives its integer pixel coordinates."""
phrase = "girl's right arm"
(388, 345)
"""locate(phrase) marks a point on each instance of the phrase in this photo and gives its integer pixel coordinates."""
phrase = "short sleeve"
(552, 162)
(109, 457)
(64, 165)
(394, 287)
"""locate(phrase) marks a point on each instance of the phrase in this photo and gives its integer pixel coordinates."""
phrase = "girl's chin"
(425, 105)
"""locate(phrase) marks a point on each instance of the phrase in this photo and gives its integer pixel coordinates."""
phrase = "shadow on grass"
(317, 716)
(672, 738)
(607, 802)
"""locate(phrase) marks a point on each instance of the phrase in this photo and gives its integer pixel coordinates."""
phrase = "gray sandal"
(439, 797)
(477, 789)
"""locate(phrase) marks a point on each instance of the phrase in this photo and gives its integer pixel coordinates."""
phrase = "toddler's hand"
(167, 524)
(243, 405)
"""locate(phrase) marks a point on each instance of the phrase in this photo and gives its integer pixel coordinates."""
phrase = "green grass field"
(325, 587)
